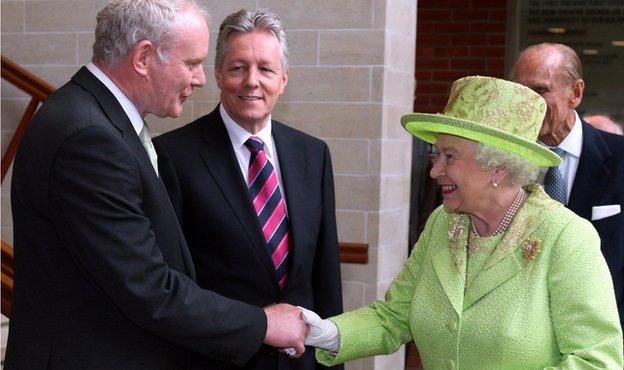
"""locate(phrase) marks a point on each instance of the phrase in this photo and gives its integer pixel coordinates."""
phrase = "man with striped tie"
(104, 277)
(255, 198)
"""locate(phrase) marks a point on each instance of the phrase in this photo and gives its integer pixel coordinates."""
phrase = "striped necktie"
(554, 182)
(267, 200)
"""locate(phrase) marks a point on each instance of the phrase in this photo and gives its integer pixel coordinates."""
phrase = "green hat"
(500, 113)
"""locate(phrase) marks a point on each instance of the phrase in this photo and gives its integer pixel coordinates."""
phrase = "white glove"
(323, 333)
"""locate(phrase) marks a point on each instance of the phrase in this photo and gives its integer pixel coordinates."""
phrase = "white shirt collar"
(239, 135)
(573, 143)
(131, 111)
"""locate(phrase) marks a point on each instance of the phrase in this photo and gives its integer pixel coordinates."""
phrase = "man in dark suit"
(103, 275)
(255, 198)
(592, 169)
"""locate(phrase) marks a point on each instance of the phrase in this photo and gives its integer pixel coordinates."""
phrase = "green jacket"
(542, 300)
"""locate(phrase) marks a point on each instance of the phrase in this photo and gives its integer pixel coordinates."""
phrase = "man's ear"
(577, 93)
(142, 55)
(284, 82)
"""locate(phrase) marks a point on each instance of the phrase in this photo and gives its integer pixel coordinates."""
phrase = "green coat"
(543, 299)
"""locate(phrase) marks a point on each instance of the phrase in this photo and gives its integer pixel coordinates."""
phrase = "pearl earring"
(494, 184)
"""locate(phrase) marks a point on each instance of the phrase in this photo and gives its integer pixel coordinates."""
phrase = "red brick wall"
(456, 38)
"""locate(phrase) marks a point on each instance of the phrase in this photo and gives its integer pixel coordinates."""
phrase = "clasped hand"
(291, 328)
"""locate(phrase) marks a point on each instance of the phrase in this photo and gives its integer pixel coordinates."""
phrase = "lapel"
(592, 173)
(220, 160)
(118, 118)
(497, 274)
(449, 262)
(105, 99)
(508, 259)
(291, 160)
(114, 112)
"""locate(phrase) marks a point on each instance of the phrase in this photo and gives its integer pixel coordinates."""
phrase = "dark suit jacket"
(103, 275)
(599, 181)
(210, 196)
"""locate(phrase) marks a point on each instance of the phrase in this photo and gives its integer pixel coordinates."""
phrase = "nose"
(199, 78)
(437, 168)
(251, 79)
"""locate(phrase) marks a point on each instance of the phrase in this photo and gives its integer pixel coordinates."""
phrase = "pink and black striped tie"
(267, 200)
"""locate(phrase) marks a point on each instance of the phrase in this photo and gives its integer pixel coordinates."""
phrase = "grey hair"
(570, 67)
(122, 24)
(247, 20)
(520, 171)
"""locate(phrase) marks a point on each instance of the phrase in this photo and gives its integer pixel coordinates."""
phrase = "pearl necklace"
(509, 215)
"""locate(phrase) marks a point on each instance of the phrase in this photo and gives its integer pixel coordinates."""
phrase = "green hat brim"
(427, 127)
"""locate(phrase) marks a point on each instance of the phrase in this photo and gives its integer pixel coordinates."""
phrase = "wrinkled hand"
(285, 328)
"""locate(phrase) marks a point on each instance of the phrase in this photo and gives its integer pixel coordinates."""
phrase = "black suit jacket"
(103, 275)
(599, 181)
(210, 196)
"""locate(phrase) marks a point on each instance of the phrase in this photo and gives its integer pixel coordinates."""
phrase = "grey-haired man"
(104, 278)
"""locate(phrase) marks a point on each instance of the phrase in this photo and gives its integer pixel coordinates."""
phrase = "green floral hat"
(503, 114)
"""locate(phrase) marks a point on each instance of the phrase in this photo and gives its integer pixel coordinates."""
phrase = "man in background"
(255, 198)
(604, 123)
(590, 178)
(103, 275)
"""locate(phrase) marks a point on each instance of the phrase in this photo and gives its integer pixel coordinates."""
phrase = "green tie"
(146, 139)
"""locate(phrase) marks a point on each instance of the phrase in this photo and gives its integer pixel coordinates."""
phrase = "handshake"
(291, 328)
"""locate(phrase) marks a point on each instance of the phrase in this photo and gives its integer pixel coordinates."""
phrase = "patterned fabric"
(479, 250)
(146, 140)
(554, 182)
(267, 200)
(543, 299)
(489, 110)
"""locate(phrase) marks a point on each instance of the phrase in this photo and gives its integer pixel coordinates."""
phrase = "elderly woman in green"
(502, 277)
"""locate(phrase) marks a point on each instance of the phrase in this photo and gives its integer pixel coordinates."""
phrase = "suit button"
(451, 364)
(451, 325)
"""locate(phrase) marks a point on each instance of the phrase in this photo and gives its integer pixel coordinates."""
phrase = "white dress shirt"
(131, 111)
(238, 137)
(572, 145)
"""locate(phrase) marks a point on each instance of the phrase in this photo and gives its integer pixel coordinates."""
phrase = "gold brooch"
(531, 249)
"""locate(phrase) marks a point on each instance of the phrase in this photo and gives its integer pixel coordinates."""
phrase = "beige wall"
(351, 78)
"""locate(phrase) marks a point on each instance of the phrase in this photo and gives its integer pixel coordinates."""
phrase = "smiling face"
(464, 184)
(171, 83)
(251, 78)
